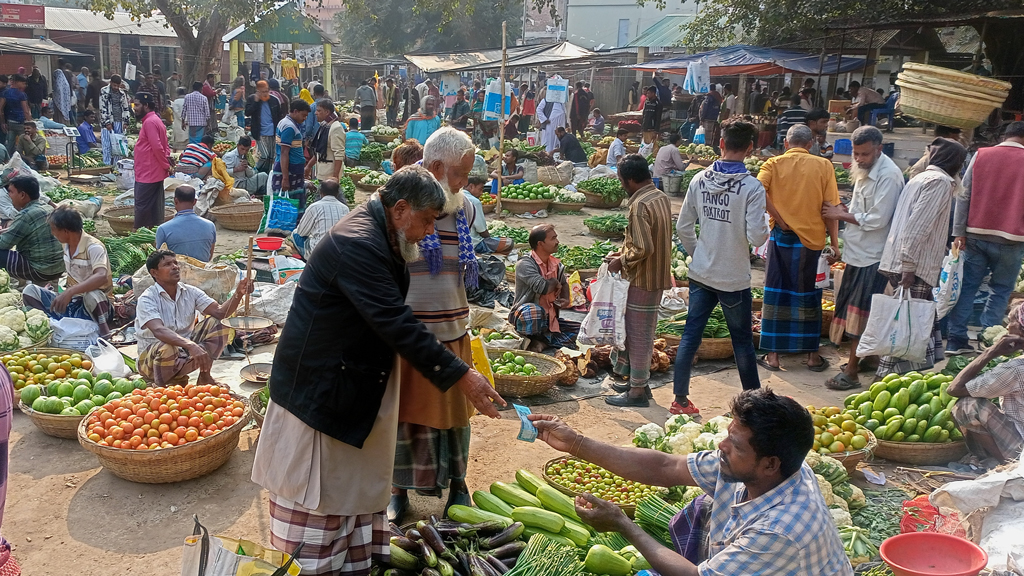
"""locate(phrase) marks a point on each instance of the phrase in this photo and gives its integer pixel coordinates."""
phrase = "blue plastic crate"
(843, 146)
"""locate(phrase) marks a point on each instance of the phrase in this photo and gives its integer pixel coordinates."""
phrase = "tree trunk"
(200, 57)
(1002, 47)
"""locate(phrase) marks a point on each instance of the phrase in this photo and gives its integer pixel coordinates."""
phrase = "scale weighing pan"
(247, 323)
(257, 373)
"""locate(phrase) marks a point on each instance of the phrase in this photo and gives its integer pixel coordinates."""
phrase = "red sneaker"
(689, 408)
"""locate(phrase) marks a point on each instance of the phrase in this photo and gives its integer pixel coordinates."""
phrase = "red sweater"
(997, 193)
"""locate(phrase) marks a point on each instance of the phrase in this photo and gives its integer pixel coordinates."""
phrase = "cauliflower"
(840, 517)
(677, 444)
(5, 281)
(857, 501)
(838, 502)
(812, 459)
(706, 441)
(992, 334)
(843, 489)
(717, 424)
(692, 430)
(831, 469)
(10, 299)
(13, 319)
(675, 422)
(8, 339)
(24, 342)
(648, 435)
(37, 325)
(825, 488)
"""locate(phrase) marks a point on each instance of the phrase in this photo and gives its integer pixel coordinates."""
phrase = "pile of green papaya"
(912, 407)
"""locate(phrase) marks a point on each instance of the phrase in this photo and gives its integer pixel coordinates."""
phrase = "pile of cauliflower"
(680, 264)
(681, 435)
(840, 496)
(18, 329)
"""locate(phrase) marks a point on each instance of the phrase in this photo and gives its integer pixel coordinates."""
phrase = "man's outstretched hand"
(556, 433)
(480, 393)
(602, 515)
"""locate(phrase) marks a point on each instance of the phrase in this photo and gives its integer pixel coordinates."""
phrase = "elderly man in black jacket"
(328, 444)
(264, 112)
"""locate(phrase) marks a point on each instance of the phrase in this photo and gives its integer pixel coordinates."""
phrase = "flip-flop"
(819, 367)
(762, 361)
(841, 381)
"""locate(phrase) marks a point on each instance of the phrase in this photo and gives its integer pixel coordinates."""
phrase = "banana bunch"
(828, 305)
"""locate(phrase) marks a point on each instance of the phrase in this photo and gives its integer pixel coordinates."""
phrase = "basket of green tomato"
(521, 373)
(520, 198)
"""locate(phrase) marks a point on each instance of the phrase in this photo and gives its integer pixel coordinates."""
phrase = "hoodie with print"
(729, 205)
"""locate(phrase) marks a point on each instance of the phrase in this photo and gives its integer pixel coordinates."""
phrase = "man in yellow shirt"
(797, 185)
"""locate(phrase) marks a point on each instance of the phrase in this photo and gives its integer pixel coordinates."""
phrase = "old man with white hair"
(797, 186)
(433, 430)
(328, 442)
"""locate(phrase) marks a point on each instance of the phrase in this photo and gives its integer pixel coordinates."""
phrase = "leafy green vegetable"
(608, 187)
(373, 152)
(582, 257)
(89, 225)
(610, 223)
(499, 228)
(688, 175)
(67, 192)
(842, 176)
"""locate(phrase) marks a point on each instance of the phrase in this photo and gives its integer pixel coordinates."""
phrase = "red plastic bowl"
(932, 554)
(269, 243)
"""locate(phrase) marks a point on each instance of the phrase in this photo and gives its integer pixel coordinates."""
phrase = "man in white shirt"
(319, 218)
(246, 177)
(729, 105)
(864, 101)
(171, 343)
(617, 149)
(483, 242)
(328, 146)
(669, 159)
(178, 132)
(876, 191)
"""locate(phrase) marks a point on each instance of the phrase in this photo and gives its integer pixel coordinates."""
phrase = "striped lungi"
(335, 545)
(641, 319)
(888, 364)
(428, 458)
(161, 363)
(791, 314)
(266, 148)
(531, 320)
(853, 302)
(981, 416)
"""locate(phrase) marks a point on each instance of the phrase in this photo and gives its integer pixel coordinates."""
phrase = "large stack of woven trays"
(949, 97)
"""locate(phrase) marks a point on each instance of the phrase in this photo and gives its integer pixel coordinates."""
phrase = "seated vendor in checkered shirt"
(761, 513)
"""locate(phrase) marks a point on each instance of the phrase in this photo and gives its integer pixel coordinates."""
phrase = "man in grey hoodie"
(729, 205)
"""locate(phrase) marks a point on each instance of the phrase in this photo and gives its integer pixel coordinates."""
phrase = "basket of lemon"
(41, 365)
(522, 373)
(838, 435)
(520, 198)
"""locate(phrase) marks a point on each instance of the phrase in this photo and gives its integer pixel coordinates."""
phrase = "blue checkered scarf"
(430, 247)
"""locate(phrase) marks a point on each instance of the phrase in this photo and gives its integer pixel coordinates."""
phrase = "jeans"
(980, 258)
(736, 306)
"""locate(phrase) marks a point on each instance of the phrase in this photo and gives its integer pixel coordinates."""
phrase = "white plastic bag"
(822, 279)
(899, 326)
(646, 149)
(125, 174)
(74, 333)
(605, 323)
(106, 358)
(698, 136)
(948, 291)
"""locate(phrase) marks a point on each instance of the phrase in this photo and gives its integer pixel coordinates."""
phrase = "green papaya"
(924, 412)
(898, 437)
(939, 419)
(922, 426)
(872, 424)
(944, 436)
(936, 381)
(882, 400)
(909, 426)
(911, 411)
(895, 385)
(849, 400)
(937, 404)
(876, 389)
(932, 434)
(863, 397)
(917, 388)
(861, 419)
(892, 427)
(912, 438)
(902, 400)
(890, 413)
(866, 408)
(924, 398)
(878, 415)
(955, 434)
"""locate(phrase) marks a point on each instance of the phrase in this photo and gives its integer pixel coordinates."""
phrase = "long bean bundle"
(654, 514)
(545, 557)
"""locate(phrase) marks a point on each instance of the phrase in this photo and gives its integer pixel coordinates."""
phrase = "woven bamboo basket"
(714, 349)
(122, 219)
(936, 105)
(384, 139)
(628, 509)
(57, 352)
(39, 343)
(52, 424)
(522, 386)
(607, 235)
(955, 76)
(489, 207)
(243, 217)
(510, 275)
(921, 453)
(852, 458)
(826, 321)
(598, 201)
(756, 304)
(258, 408)
(522, 206)
(367, 187)
(355, 176)
(670, 339)
(166, 465)
(566, 206)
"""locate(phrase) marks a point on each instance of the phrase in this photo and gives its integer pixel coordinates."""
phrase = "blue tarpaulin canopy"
(755, 61)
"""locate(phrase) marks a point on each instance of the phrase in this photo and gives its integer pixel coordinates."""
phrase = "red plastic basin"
(932, 554)
(269, 243)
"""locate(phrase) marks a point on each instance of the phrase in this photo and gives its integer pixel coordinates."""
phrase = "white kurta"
(557, 118)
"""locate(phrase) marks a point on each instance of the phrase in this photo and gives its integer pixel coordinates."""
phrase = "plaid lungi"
(888, 364)
(19, 267)
(335, 545)
(641, 319)
(429, 459)
(791, 314)
(531, 320)
(162, 363)
(853, 302)
(266, 150)
(981, 416)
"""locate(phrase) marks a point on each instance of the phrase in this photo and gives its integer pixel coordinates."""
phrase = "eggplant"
(429, 572)
(397, 572)
(463, 561)
(496, 564)
(504, 537)
(433, 520)
(511, 550)
(395, 530)
(510, 563)
(413, 534)
(476, 568)
(405, 544)
(429, 557)
(489, 527)
(431, 536)
(445, 568)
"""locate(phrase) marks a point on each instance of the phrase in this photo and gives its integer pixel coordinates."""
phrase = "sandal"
(762, 361)
(819, 367)
(841, 381)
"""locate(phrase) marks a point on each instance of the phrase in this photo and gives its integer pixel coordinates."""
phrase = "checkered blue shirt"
(196, 109)
(785, 532)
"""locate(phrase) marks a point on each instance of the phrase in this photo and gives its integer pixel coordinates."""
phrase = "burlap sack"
(560, 175)
(217, 280)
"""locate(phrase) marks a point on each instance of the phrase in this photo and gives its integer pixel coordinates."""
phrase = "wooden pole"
(248, 275)
(501, 111)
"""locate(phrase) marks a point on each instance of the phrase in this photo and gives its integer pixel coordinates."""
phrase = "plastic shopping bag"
(950, 279)
(106, 358)
(605, 323)
(822, 279)
(698, 136)
(899, 326)
(206, 555)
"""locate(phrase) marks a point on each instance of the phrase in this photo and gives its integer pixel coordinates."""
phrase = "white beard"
(410, 251)
(453, 200)
(857, 173)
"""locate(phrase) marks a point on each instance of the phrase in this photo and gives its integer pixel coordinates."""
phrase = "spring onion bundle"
(545, 557)
(654, 514)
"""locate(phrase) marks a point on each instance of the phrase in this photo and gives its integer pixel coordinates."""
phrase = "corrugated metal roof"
(76, 20)
(38, 46)
(665, 33)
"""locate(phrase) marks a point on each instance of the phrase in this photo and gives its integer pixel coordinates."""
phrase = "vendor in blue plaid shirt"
(762, 511)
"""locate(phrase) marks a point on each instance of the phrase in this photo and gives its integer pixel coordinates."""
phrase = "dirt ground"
(67, 515)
